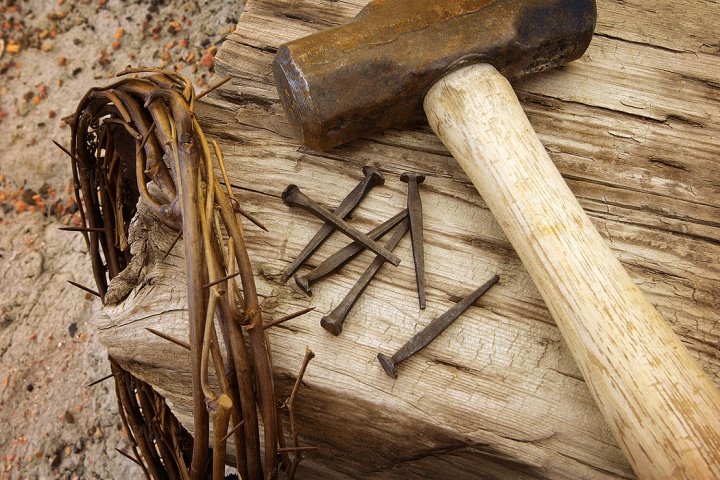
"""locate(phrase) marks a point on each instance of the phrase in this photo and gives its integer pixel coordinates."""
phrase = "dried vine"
(138, 140)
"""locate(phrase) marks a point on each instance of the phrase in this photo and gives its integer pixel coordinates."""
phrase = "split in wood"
(432, 330)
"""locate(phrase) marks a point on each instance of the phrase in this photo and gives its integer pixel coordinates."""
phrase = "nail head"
(377, 177)
(388, 365)
(289, 192)
(408, 176)
(331, 326)
(304, 284)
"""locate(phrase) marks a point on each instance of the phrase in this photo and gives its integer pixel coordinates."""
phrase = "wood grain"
(634, 128)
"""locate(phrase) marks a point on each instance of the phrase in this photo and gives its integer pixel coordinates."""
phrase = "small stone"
(69, 417)
(78, 446)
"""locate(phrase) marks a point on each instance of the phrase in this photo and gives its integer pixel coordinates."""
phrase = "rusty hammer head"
(373, 73)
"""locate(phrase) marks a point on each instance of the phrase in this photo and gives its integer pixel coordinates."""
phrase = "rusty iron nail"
(335, 261)
(421, 339)
(414, 205)
(333, 322)
(372, 178)
(292, 196)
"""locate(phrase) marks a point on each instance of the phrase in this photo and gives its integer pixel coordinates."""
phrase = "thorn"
(238, 209)
(220, 280)
(287, 317)
(100, 380)
(297, 449)
(82, 287)
(210, 89)
(147, 136)
(172, 245)
(64, 150)
(232, 430)
(82, 229)
(167, 337)
(127, 456)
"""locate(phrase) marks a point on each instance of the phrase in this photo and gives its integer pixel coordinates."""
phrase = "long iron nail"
(345, 254)
(421, 339)
(372, 178)
(414, 205)
(333, 322)
(292, 196)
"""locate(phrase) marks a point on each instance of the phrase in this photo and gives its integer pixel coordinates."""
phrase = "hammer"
(400, 62)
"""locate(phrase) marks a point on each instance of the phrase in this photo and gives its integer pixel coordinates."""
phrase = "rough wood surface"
(634, 128)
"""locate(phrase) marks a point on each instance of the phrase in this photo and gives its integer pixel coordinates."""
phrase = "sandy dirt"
(51, 424)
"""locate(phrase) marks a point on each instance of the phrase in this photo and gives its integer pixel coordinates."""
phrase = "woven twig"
(138, 140)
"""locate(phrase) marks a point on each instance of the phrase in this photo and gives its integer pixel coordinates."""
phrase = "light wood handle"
(662, 408)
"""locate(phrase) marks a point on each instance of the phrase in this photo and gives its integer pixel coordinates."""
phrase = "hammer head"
(373, 73)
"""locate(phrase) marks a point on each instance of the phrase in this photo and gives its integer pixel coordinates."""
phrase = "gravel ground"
(51, 424)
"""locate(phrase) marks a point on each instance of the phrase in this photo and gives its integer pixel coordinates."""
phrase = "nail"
(421, 339)
(333, 322)
(292, 196)
(372, 178)
(345, 254)
(414, 205)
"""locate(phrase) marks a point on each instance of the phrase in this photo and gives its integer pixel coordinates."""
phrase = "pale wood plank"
(634, 126)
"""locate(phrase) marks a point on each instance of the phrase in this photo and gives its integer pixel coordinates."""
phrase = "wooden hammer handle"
(662, 408)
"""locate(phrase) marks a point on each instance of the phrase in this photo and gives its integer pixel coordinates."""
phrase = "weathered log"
(633, 126)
